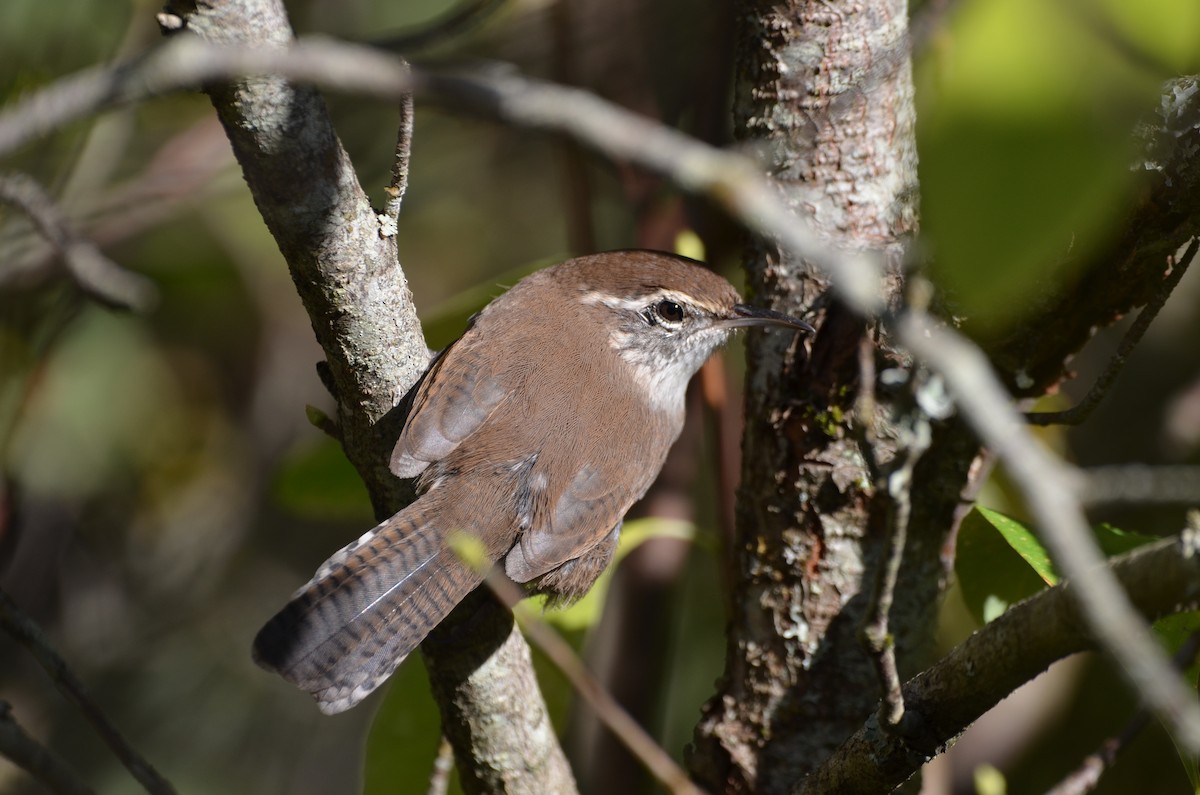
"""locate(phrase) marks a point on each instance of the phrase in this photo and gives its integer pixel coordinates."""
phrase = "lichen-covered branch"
(809, 537)
(343, 260)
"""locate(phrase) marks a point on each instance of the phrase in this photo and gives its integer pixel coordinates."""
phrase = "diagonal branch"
(40, 762)
(30, 635)
(728, 179)
(1080, 412)
(95, 274)
(985, 668)
(1048, 486)
(342, 255)
(614, 716)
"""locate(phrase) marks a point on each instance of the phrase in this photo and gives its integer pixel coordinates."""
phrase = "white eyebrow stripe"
(595, 297)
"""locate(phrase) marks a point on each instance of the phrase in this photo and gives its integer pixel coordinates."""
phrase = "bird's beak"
(744, 315)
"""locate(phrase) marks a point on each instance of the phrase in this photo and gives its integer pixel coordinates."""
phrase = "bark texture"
(825, 89)
(345, 266)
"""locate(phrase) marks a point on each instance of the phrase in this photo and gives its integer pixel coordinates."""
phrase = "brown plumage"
(535, 432)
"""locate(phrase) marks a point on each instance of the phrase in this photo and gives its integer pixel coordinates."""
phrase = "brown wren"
(535, 432)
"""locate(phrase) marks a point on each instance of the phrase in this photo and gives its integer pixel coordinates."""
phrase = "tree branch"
(30, 755)
(343, 259)
(728, 179)
(1080, 412)
(1161, 578)
(95, 274)
(399, 182)
(893, 491)
(635, 738)
(1140, 483)
(28, 634)
(1048, 486)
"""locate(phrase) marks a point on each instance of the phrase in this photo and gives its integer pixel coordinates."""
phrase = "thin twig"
(1049, 488)
(893, 483)
(1140, 483)
(452, 23)
(399, 184)
(443, 766)
(1085, 778)
(986, 667)
(865, 407)
(611, 713)
(28, 634)
(730, 180)
(1079, 413)
(95, 274)
(40, 762)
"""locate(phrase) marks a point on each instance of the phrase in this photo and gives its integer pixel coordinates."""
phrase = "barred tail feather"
(367, 608)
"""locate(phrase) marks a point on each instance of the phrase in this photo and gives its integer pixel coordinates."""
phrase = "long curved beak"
(746, 315)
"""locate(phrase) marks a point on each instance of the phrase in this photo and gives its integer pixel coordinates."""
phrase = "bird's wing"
(446, 410)
(584, 515)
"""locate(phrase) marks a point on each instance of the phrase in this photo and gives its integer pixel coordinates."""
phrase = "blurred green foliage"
(171, 492)
(316, 480)
(1025, 110)
(405, 731)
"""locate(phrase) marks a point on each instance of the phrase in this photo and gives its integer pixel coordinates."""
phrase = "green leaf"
(998, 563)
(1115, 541)
(403, 740)
(1023, 542)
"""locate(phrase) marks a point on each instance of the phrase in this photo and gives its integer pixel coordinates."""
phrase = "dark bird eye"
(669, 311)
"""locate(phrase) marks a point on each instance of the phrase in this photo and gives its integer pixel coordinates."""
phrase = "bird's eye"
(669, 311)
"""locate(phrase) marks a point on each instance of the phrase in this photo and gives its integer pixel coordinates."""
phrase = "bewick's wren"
(535, 432)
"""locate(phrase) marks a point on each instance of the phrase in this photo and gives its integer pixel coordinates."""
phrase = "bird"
(534, 433)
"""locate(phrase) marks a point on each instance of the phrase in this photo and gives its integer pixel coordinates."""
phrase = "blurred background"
(162, 492)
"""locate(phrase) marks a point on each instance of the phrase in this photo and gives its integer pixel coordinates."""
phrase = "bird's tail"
(365, 610)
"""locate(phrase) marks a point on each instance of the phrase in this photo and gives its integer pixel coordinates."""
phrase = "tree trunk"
(825, 90)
